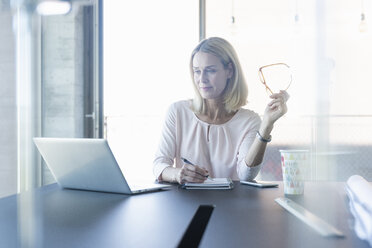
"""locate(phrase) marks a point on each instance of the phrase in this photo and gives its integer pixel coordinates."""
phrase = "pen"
(188, 162)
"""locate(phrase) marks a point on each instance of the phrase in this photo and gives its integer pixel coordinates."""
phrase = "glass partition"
(327, 52)
(8, 105)
(55, 81)
(70, 74)
(48, 65)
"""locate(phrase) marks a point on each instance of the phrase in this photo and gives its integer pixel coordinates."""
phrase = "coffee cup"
(294, 167)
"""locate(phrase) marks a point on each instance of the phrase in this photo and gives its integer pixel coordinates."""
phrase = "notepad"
(215, 183)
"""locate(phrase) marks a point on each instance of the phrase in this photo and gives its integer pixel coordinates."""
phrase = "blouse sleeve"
(244, 172)
(165, 154)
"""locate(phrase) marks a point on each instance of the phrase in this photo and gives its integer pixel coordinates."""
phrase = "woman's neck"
(215, 112)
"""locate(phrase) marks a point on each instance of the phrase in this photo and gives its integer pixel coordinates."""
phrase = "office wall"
(62, 88)
(8, 137)
(62, 77)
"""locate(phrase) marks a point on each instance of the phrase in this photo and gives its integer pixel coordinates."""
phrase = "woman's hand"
(276, 108)
(191, 173)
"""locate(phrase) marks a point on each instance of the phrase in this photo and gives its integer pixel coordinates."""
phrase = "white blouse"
(220, 149)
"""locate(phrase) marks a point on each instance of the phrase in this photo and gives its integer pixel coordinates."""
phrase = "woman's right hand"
(191, 173)
(276, 108)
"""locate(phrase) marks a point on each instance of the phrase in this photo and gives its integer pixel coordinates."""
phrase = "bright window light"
(53, 8)
(146, 56)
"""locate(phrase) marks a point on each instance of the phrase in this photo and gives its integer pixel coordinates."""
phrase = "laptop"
(87, 164)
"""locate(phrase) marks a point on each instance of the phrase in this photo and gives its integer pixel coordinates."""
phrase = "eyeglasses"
(278, 75)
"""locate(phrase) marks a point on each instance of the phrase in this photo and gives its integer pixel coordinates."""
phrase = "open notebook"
(215, 183)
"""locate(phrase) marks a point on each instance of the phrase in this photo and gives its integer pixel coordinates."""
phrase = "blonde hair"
(236, 91)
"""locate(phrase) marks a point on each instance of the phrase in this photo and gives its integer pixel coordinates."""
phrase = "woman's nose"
(203, 77)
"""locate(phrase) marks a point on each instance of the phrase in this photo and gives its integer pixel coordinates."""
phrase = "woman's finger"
(278, 104)
(194, 175)
(193, 179)
(285, 94)
(196, 169)
(282, 95)
(274, 106)
(275, 101)
(279, 98)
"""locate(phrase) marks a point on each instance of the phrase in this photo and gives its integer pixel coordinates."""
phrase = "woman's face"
(210, 76)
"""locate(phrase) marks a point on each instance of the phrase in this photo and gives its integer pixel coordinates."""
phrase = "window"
(328, 110)
(147, 45)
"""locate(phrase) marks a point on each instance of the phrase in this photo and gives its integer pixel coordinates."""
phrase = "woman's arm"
(274, 110)
(164, 159)
(166, 151)
(257, 149)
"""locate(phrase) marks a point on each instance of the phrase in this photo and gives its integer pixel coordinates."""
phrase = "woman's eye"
(211, 71)
(197, 72)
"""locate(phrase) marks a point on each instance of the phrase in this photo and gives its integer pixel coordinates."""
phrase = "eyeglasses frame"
(262, 78)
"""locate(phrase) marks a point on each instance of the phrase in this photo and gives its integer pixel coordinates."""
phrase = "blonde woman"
(216, 136)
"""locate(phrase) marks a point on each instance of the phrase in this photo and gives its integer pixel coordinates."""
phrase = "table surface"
(243, 217)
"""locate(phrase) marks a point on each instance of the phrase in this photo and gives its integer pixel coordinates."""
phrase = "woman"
(212, 131)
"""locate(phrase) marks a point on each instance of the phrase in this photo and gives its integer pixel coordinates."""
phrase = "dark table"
(243, 217)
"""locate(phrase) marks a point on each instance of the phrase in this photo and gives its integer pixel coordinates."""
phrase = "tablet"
(261, 184)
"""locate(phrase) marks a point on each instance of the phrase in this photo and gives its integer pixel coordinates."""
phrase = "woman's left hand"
(276, 108)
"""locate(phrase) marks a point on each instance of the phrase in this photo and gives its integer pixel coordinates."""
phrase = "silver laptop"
(87, 164)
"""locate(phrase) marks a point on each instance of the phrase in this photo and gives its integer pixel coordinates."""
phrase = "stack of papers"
(215, 183)
(359, 192)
